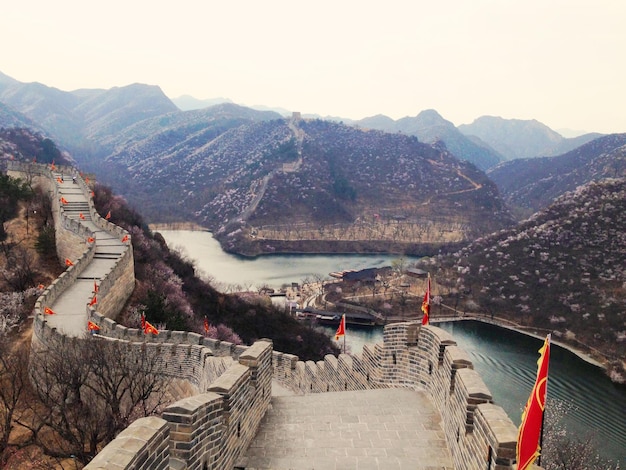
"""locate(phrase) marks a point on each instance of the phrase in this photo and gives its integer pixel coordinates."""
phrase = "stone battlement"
(213, 428)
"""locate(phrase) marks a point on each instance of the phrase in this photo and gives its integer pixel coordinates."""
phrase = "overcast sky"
(562, 62)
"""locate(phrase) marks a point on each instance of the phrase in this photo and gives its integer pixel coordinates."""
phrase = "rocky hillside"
(562, 270)
(431, 128)
(516, 138)
(270, 185)
(532, 184)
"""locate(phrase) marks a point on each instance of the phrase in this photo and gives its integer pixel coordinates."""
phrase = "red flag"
(93, 302)
(93, 194)
(108, 216)
(341, 329)
(91, 326)
(52, 167)
(87, 180)
(95, 287)
(426, 304)
(68, 262)
(81, 216)
(143, 321)
(91, 239)
(59, 180)
(41, 287)
(206, 325)
(48, 311)
(125, 239)
(532, 417)
(150, 329)
(63, 200)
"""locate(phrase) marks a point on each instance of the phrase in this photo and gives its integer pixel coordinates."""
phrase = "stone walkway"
(385, 429)
(71, 306)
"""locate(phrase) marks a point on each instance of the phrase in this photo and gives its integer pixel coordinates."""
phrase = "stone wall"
(418, 357)
(212, 429)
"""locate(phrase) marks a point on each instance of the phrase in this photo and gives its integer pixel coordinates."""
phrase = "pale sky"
(562, 62)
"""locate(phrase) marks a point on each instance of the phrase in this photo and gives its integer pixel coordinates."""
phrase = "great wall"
(213, 428)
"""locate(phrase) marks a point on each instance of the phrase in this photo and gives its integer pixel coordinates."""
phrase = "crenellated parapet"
(232, 384)
(418, 357)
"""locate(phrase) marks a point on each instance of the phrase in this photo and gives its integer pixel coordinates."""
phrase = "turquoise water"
(507, 363)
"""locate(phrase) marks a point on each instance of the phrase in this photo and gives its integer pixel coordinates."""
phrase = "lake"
(506, 360)
(231, 271)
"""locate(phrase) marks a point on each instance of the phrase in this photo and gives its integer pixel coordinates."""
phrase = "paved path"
(70, 307)
(387, 429)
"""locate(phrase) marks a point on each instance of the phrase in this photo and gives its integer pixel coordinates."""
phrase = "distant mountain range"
(533, 183)
(213, 162)
(514, 138)
(431, 128)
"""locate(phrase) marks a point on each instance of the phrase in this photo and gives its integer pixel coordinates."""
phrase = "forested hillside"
(270, 185)
(563, 270)
(532, 184)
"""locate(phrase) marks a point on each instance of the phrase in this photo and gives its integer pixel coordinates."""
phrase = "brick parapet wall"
(420, 357)
(213, 429)
(210, 430)
(144, 445)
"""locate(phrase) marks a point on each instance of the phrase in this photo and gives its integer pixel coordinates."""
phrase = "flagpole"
(543, 415)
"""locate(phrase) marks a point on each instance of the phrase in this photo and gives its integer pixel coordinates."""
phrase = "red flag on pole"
(93, 302)
(95, 287)
(91, 326)
(528, 445)
(125, 239)
(108, 216)
(68, 262)
(426, 304)
(63, 200)
(206, 325)
(150, 329)
(81, 216)
(48, 311)
(91, 239)
(341, 329)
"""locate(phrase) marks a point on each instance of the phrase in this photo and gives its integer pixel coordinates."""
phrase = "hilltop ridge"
(561, 270)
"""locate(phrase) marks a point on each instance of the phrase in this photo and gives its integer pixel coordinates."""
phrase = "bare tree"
(13, 380)
(90, 390)
(19, 272)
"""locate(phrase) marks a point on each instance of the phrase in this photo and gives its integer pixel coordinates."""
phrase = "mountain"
(306, 185)
(431, 128)
(74, 118)
(532, 184)
(11, 118)
(189, 103)
(515, 138)
(562, 270)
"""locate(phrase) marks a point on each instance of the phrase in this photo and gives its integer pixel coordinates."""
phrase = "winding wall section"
(212, 429)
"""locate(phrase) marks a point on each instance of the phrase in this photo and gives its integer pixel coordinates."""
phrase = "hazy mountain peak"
(517, 138)
(188, 102)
